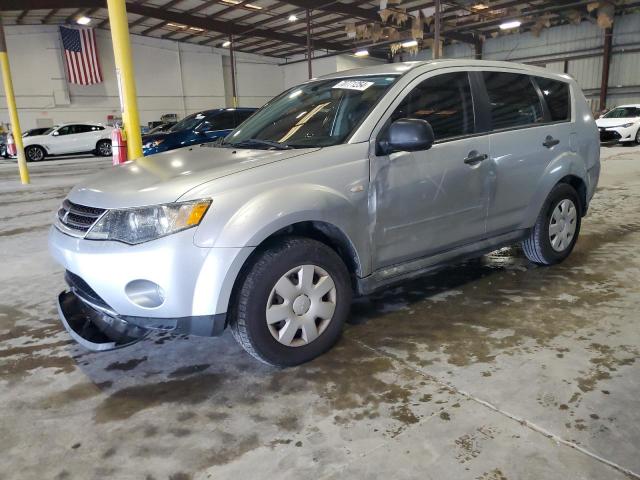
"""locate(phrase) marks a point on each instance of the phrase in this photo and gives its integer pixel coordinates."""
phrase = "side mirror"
(56, 133)
(407, 135)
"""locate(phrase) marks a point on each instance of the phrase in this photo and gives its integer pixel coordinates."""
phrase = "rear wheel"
(554, 235)
(638, 136)
(103, 148)
(34, 153)
(292, 303)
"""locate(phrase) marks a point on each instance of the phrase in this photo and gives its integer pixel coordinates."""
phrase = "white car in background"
(67, 139)
(621, 123)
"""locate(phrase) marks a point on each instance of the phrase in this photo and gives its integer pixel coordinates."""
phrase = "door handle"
(550, 141)
(475, 157)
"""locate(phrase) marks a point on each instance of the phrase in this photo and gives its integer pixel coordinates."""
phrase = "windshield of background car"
(47, 132)
(188, 123)
(623, 112)
(318, 114)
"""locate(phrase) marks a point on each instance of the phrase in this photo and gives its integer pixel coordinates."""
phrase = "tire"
(34, 153)
(103, 148)
(282, 267)
(638, 137)
(544, 248)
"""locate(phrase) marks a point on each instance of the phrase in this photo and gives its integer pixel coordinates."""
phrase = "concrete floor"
(491, 370)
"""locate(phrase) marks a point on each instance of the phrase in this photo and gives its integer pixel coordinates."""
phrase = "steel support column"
(478, 44)
(125, 75)
(309, 43)
(11, 106)
(436, 31)
(606, 64)
(232, 60)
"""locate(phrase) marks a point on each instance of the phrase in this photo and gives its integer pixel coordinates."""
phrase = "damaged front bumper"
(99, 329)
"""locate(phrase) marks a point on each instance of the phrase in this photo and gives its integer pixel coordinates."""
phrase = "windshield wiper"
(252, 142)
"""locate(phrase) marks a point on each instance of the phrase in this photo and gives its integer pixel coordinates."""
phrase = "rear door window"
(221, 121)
(513, 99)
(557, 97)
(81, 128)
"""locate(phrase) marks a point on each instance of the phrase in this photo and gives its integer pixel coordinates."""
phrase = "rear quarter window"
(557, 97)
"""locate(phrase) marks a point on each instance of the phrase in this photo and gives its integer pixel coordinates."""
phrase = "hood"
(36, 139)
(164, 177)
(615, 122)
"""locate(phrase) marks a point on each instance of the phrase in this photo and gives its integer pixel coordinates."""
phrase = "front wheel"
(638, 137)
(554, 235)
(34, 153)
(292, 302)
(103, 148)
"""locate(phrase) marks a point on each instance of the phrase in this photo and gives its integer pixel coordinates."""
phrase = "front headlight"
(139, 225)
(627, 125)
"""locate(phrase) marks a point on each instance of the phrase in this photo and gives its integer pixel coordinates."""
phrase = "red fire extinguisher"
(118, 146)
(12, 150)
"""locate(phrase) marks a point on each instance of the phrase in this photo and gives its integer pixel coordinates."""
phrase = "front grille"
(609, 135)
(77, 219)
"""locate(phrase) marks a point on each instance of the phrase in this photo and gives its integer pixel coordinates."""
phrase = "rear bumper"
(97, 328)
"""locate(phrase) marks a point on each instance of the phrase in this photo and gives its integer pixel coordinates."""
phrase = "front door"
(433, 200)
(65, 141)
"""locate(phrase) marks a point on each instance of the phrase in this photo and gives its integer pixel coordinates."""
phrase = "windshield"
(318, 114)
(623, 112)
(188, 123)
(48, 132)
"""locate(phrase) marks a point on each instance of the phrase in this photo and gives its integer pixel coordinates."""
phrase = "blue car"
(197, 128)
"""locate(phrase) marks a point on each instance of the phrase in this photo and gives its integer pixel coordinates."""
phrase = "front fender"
(261, 217)
(567, 164)
(276, 209)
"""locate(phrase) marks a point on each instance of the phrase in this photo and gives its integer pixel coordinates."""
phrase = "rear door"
(528, 132)
(88, 136)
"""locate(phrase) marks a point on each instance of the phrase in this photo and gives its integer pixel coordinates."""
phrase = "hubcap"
(105, 149)
(35, 154)
(563, 224)
(301, 305)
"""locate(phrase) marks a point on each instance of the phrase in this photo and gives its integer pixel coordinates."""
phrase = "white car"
(67, 139)
(621, 124)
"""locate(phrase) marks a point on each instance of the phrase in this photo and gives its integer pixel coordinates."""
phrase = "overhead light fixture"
(176, 25)
(83, 20)
(410, 43)
(362, 53)
(226, 44)
(479, 6)
(293, 18)
(196, 29)
(510, 24)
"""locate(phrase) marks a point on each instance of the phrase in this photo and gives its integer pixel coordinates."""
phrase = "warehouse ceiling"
(278, 28)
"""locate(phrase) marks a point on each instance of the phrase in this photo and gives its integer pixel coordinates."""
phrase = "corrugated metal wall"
(554, 43)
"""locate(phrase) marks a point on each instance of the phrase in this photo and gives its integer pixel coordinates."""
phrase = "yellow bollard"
(11, 105)
(125, 75)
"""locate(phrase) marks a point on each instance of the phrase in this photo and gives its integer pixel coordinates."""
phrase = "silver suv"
(339, 186)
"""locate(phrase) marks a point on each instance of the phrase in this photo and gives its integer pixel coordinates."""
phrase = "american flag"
(81, 55)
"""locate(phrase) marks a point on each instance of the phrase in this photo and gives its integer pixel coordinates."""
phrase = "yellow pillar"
(125, 75)
(11, 105)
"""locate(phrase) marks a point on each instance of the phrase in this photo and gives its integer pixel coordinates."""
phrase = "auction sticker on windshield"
(353, 85)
